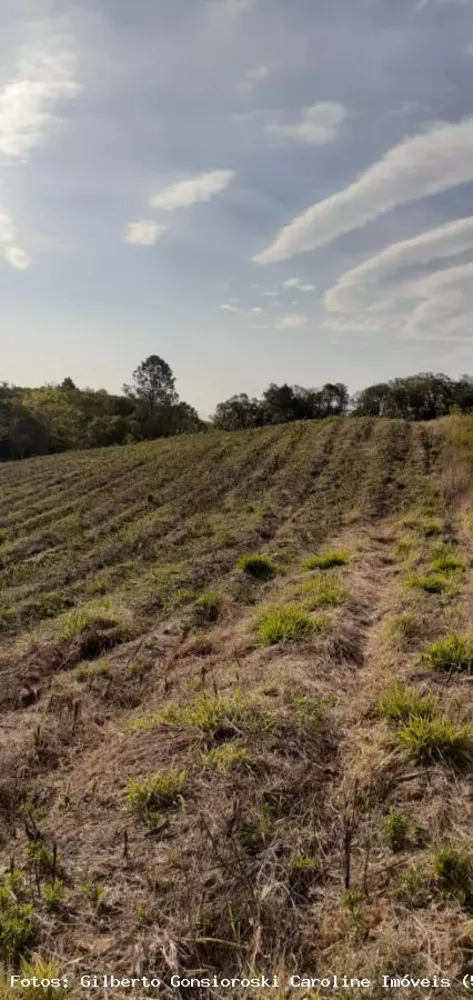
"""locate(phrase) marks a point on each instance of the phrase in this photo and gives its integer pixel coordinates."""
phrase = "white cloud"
(291, 322)
(257, 309)
(319, 124)
(202, 187)
(378, 297)
(297, 283)
(373, 281)
(230, 308)
(17, 258)
(144, 233)
(45, 75)
(251, 78)
(271, 295)
(434, 161)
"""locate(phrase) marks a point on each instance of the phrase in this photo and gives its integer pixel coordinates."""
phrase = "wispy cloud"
(291, 322)
(251, 78)
(17, 258)
(297, 283)
(45, 75)
(434, 161)
(319, 124)
(374, 280)
(229, 308)
(200, 188)
(144, 233)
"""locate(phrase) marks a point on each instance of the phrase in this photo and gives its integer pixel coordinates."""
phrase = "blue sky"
(257, 190)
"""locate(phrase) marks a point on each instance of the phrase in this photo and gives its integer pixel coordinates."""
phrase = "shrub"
(287, 624)
(208, 606)
(438, 740)
(395, 827)
(327, 560)
(160, 791)
(433, 583)
(452, 869)
(322, 592)
(225, 758)
(401, 703)
(258, 566)
(453, 653)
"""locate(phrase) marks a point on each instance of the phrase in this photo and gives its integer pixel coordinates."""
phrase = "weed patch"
(225, 758)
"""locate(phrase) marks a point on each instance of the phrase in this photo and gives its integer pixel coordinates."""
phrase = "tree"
(67, 383)
(238, 413)
(153, 384)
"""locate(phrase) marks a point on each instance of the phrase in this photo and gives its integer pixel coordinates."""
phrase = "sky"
(256, 190)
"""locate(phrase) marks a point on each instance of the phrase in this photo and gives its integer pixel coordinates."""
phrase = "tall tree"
(153, 382)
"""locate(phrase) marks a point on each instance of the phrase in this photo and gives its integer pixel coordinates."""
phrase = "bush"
(327, 560)
(403, 703)
(437, 741)
(453, 653)
(258, 566)
(287, 624)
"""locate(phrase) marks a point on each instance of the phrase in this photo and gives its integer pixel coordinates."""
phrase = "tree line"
(54, 418)
(418, 397)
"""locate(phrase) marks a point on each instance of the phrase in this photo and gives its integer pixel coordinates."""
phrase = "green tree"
(153, 383)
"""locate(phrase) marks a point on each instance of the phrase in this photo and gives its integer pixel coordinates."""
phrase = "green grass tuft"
(287, 623)
(432, 583)
(208, 606)
(258, 566)
(147, 798)
(395, 827)
(327, 560)
(437, 741)
(452, 868)
(225, 758)
(400, 704)
(322, 592)
(453, 653)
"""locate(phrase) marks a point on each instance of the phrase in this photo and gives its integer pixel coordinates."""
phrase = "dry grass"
(199, 756)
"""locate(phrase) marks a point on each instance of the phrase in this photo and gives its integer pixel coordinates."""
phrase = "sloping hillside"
(212, 764)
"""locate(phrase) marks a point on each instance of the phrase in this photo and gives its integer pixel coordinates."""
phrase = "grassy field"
(236, 716)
